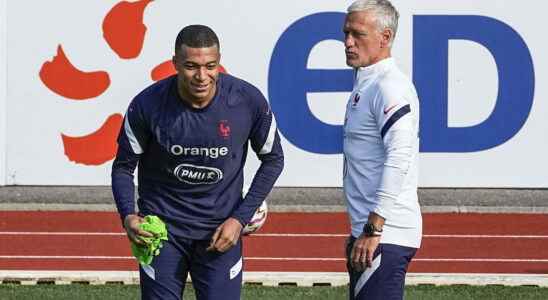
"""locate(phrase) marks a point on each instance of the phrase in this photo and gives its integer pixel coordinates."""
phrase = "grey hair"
(386, 13)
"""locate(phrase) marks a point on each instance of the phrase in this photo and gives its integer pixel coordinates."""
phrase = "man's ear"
(174, 61)
(386, 37)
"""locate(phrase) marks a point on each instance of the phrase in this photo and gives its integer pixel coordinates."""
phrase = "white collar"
(363, 73)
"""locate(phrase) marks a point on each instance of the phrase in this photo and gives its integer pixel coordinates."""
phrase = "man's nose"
(348, 41)
(201, 74)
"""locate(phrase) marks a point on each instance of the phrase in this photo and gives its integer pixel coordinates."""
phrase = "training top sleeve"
(396, 122)
(132, 142)
(265, 142)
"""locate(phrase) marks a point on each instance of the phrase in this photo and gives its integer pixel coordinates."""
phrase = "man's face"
(198, 71)
(362, 40)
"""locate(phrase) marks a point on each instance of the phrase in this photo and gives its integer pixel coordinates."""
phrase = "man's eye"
(212, 67)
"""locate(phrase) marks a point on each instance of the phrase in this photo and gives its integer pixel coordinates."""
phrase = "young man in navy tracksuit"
(189, 136)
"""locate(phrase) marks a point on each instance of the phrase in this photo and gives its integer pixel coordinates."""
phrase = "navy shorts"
(214, 275)
(386, 278)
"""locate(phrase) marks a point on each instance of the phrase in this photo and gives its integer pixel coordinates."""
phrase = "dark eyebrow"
(354, 31)
(197, 64)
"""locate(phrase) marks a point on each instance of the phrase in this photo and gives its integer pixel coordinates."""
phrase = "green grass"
(422, 292)
(465, 292)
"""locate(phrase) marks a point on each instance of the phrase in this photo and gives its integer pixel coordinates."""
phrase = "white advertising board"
(3, 105)
(73, 66)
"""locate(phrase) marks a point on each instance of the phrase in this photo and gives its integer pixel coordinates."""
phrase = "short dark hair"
(196, 36)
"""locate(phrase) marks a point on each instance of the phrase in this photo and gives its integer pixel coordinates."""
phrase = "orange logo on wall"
(124, 32)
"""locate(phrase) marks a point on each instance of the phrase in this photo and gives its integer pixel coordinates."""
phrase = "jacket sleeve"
(132, 142)
(265, 142)
(397, 122)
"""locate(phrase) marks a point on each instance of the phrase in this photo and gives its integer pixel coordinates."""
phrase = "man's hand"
(134, 232)
(364, 247)
(225, 236)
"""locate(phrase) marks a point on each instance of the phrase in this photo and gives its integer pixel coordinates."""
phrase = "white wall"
(3, 106)
(33, 153)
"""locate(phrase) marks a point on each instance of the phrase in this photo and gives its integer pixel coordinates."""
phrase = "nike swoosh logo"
(389, 109)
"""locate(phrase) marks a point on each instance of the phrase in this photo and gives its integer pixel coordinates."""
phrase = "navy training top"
(191, 161)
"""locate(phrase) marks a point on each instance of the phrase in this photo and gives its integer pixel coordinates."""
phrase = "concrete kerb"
(288, 199)
(308, 279)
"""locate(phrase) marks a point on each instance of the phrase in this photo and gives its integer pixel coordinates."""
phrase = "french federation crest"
(224, 129)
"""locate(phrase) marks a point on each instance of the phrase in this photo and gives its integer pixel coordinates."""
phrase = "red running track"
(289, 242)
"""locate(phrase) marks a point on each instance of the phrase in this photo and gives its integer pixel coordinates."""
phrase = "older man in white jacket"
(381, 146)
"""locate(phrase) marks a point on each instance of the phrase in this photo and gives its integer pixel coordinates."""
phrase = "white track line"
(415, 259)
(481, 260)
(60, 233)
(464, 236)
(297, 258)
(484, 236)
(79, 257)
